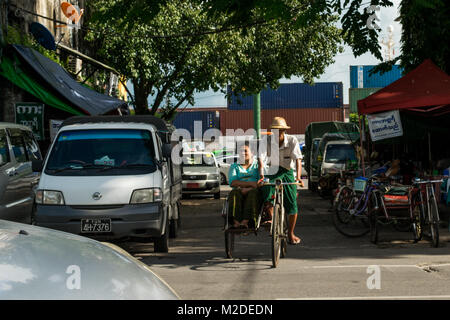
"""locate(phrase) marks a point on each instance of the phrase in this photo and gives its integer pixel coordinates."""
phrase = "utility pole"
(257, 114)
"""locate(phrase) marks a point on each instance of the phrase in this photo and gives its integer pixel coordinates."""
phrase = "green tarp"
(11, 70)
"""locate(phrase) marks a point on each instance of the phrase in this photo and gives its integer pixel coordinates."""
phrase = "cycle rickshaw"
(373, 202)
(278, 228)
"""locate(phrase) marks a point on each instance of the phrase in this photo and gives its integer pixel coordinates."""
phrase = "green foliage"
(17, 36)
(242, 13)
(353, 117)
(425, 33)
(177, 52)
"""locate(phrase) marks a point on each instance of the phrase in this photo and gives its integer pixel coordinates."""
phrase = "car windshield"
(102, 152)
(339, 153)
(198, 159)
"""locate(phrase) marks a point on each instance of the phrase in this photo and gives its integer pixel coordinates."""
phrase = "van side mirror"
(166, 150)
(37, 165)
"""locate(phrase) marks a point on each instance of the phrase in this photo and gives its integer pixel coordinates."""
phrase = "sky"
(339, 71)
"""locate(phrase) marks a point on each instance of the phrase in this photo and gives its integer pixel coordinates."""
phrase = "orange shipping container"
(297, 119)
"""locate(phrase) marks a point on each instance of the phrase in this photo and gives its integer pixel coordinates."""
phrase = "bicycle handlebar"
(284, 183)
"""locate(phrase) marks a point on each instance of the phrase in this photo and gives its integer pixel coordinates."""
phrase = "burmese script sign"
(385, 125)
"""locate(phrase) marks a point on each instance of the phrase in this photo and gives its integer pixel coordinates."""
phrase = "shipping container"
(293, 96)
(205, 120)
(355, 94)
(360, 77)
(297, 119)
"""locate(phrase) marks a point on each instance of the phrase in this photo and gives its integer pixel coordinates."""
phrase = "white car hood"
(40, 263)
(78, 190)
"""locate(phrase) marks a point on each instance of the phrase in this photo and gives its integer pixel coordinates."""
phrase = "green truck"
(313, 136)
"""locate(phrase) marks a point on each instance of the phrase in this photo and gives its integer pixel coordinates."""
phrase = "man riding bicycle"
(289, 157)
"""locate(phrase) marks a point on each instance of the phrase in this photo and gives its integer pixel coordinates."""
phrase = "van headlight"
(146, 195)
(213, 176)
(49, 197)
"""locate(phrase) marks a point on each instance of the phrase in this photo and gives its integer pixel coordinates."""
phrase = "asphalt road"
(327, 265)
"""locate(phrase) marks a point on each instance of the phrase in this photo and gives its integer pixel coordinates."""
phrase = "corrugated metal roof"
(293, 95)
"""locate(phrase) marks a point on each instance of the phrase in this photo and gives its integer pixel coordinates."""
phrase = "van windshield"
(102, 152)
(339, 153)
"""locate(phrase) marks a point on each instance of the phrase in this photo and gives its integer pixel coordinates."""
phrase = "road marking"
(446, 297)
(419, 266)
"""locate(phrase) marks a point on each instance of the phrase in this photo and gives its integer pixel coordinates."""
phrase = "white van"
(110, 177)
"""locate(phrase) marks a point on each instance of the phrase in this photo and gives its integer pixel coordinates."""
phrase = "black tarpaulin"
(88, 100)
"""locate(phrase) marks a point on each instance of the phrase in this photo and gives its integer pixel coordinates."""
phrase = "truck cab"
(336, 156)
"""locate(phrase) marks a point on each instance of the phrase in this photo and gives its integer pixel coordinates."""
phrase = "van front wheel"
(162, 243)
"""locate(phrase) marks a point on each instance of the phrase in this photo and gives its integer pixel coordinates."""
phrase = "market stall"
(409, 120)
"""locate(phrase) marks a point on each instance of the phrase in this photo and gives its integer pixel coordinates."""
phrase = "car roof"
(115, 125)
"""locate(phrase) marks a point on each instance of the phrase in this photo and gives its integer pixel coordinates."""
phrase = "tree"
(241, 13)
(425, 33)
(183, 49)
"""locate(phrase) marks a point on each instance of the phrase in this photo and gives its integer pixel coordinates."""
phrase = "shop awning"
(424, 90)
(10, 69)
(88, 100)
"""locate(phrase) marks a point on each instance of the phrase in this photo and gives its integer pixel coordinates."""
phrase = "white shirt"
(289, 152)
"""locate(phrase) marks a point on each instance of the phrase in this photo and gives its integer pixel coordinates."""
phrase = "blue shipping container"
(360, 78)
(207, 119)
(293, 96)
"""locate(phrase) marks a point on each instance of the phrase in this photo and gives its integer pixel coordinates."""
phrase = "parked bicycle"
(429, 210)
(372, 202)
(351, 207)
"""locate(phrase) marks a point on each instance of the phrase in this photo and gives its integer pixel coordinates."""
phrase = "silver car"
(40, 263)
(200, 174)
(18, 148)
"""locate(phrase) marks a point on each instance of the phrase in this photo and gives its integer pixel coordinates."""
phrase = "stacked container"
(206, 119)
(298, 103)
(363, 84)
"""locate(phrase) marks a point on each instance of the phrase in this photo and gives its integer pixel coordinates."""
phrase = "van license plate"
(193, 185)
(95, 225)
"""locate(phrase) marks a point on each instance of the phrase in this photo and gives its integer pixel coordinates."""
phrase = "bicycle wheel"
(373, 209)
(284, 237)
(344, 218)
(417, 224)
(276, 235)
(229, 244)
(434, 222)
